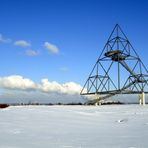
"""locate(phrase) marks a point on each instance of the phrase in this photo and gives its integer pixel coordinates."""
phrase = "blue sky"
(77, 28)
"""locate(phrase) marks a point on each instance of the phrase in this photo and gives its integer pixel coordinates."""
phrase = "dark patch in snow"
(122, 120)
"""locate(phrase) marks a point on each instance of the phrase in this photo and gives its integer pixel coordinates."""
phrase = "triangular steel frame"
(119, 50)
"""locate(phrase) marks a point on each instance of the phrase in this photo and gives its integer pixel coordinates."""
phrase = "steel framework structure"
(118, 70)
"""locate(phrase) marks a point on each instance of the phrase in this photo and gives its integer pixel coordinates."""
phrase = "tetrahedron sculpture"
(118, 70)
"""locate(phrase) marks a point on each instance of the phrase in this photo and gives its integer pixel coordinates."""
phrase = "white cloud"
(22, 43)
(4, 40)
(66, 88)
(51, 48)
(31, 52)
(72, 88)
(47, 86)
(18, 82)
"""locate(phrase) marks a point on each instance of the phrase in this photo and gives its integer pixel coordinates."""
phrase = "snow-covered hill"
(115, 126)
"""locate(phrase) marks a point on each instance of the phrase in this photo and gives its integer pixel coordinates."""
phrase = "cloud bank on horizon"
(18, 82)
(18, 86)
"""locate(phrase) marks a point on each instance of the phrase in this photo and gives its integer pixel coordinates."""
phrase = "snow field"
(114, 126)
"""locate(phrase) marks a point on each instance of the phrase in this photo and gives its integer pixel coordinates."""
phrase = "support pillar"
(98, 102)
(142, 99)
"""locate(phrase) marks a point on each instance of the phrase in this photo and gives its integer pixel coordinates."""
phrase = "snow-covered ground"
(115, 126)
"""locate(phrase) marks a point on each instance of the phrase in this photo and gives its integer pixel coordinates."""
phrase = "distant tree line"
(59, 103)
